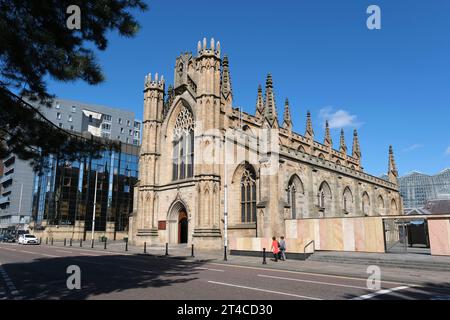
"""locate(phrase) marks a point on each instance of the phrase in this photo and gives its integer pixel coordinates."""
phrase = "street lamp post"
(225, 202)
(95, 203)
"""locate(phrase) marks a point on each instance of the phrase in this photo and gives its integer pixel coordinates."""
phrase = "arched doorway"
(178, 223)
(182, 227)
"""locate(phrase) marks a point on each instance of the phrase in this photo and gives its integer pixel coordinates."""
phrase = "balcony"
(4, 200)
(6, 178)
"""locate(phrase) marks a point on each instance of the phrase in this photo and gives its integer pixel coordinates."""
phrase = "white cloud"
(339, 119)
(413, 147)
(447, 152)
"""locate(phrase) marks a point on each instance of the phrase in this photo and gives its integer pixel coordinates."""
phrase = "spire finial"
(270, 107)
(287, 121)
(259, 104)
(309, 129)
(342, 145)
(392, 167)
(327, 141)
(226, 79)
(356, 151)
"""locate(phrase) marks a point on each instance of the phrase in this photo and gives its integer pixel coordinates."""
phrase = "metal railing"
(307, 245)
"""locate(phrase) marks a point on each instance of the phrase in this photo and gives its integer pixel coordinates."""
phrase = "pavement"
(40, 272)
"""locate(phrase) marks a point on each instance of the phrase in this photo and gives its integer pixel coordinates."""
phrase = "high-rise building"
(100, 121)
(16, 183)
(417, 188)
(63, 194)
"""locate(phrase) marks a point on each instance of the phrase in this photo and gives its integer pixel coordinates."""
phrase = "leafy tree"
(35, 43)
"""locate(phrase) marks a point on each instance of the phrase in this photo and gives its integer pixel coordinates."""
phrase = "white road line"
(88, 254)
(65, 251)
(40, 254)
(380, 292)
(306, 273)
(201, 268)
(263, 290)
(311, 281)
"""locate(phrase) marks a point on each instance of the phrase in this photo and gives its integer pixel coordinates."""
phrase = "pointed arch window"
(324, 197)
(295, 197)
(292, 199)
(183, 146)
(248, 195)
(347, 200)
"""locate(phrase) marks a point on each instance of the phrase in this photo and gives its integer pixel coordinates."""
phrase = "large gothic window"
(365, 206)
(248, 195)
(324, 197)
(183, 146)
(295, 196)
(347, 201)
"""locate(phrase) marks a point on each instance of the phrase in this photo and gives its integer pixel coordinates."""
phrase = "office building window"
(74, 109)
(130, 132)
(128, 123)
(69, 118)
(57, 106)
(121, 130)
(137, 125)
(61, 125)
(106, 126)
(107, 118)
(119, 120)
(58, 115)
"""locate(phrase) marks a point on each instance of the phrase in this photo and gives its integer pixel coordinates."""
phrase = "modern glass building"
(64, 194)
(418, 188)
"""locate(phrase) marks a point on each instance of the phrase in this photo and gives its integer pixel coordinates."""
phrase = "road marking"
(306, 273)
(311, 281)
(103, 252)
(64, 251)
(201, 268)
(380, 292)
(9, 283)
(40, 254)
(88, 254)
(263, 290)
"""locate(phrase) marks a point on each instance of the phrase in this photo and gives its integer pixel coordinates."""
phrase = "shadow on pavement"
(46, 278)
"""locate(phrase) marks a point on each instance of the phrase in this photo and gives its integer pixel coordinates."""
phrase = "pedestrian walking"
(283, 248)
(275, 248)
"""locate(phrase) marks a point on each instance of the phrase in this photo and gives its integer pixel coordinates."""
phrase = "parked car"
(8, 238)
(28, 239)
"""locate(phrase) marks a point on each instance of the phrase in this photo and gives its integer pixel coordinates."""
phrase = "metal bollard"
(52, 241)
(81, 243)
(64, 242)
(105, 245)
(167, 249)
(46, 240)
(126, 245)
(192, 252)
(70, 243)
(92, 243)
(264, 256)
(145, 247)
(40, 240)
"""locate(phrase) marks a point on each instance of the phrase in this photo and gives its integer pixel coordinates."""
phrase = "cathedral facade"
(205, 164)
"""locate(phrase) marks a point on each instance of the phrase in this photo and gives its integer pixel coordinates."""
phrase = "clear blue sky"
(393, 84)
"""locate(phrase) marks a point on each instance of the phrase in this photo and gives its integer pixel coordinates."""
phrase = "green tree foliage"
(36, 44)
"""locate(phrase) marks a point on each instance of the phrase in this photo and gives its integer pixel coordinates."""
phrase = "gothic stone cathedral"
(195, 143)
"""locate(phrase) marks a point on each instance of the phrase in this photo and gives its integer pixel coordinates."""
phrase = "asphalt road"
(40, 272)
